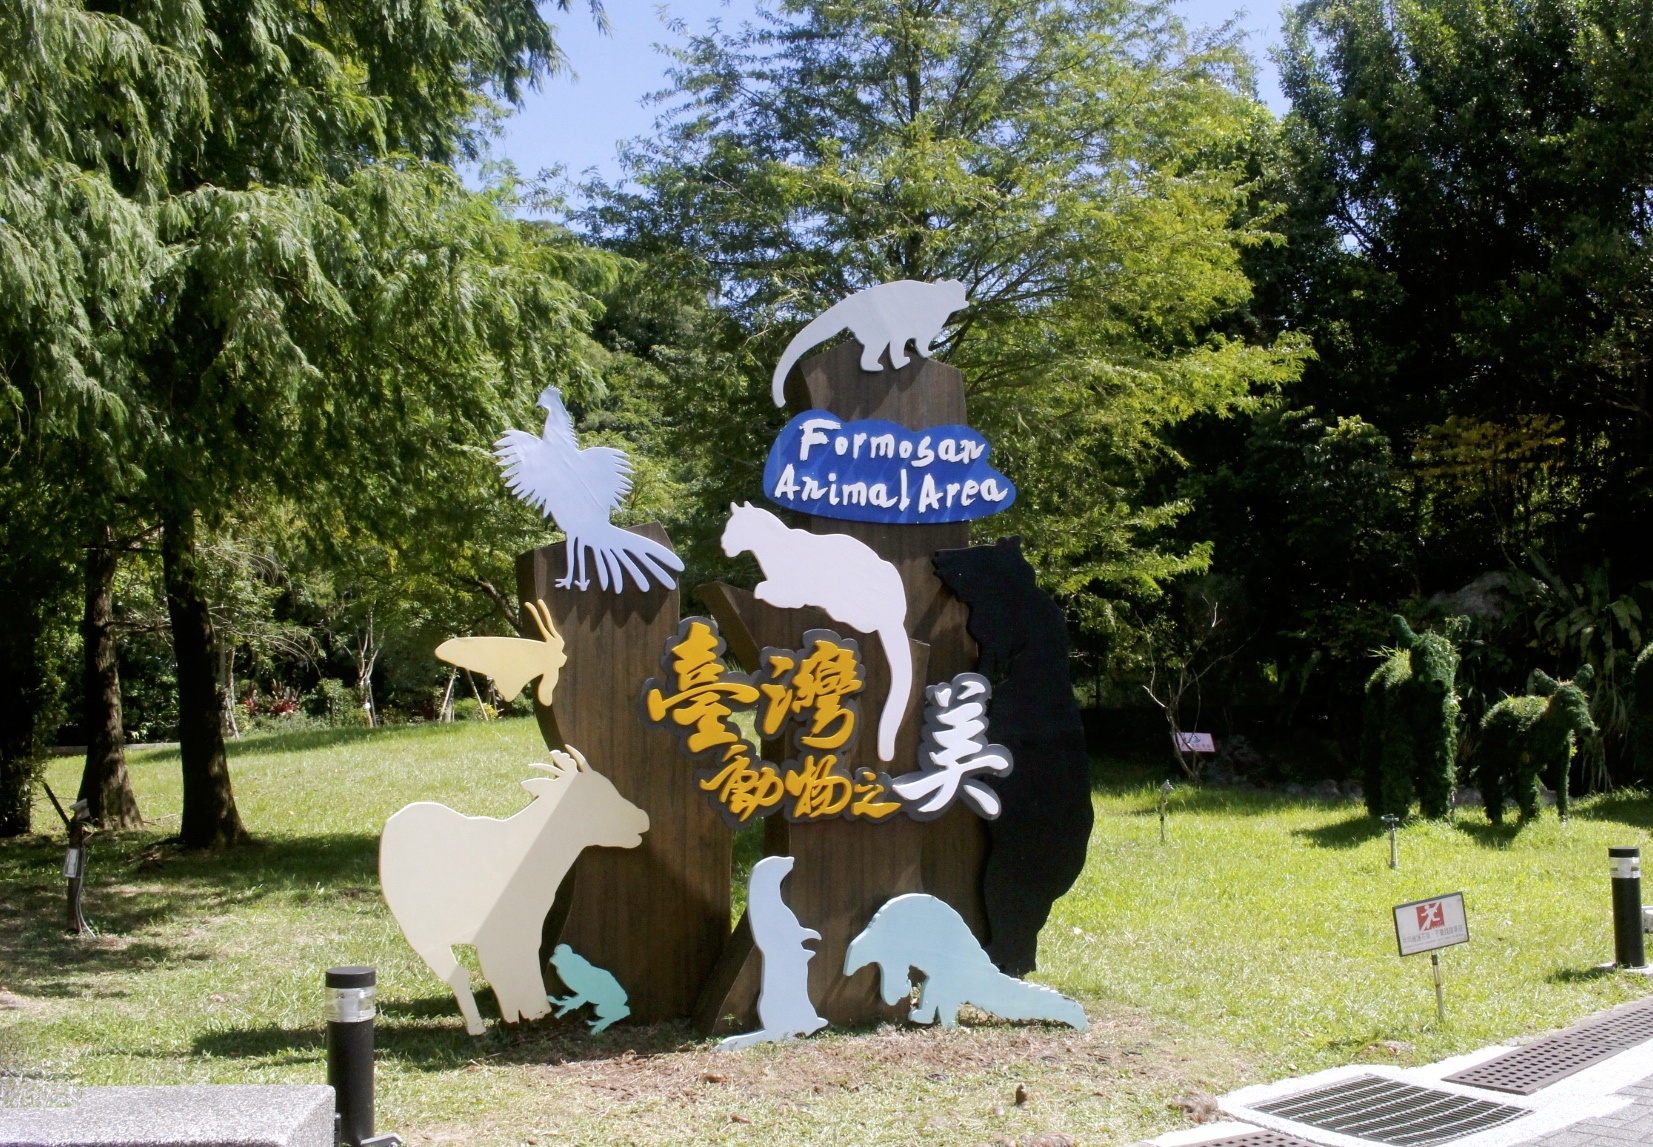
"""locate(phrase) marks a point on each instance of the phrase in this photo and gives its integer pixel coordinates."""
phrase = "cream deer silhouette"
(455, 879)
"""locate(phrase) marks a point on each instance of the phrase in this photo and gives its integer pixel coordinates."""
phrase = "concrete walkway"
(1630, 1124)
(1608, 1104)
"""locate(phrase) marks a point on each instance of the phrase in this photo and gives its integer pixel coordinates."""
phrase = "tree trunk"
(210, 819)
(21, 701)
(104, 785)
(28, 694)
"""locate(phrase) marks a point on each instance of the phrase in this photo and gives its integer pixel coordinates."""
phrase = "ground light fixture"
(351, 993)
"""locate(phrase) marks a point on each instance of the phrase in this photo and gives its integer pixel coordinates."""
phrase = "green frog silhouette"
(588, 984)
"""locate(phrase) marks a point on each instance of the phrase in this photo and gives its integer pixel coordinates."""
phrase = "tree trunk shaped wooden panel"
(924, 393)
(656, 916)
(847, 871)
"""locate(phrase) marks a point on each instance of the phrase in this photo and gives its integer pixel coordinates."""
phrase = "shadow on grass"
(339, 860)
(1578, 975)
(309, 740)
(1351, 833)
(135, 882)
(1489, 835)
(441, 1044)
(1633, 807)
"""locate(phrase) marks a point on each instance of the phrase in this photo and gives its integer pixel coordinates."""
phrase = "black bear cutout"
(1037, 845)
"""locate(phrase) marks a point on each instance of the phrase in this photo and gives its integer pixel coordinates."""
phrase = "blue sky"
(577, 120)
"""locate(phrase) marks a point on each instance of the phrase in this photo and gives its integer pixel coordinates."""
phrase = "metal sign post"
(79, 826)
(1428, 926)
(1164, 805)
(1392, 820)
(1440, 992)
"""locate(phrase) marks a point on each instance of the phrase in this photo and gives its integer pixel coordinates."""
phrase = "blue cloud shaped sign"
(877, 471)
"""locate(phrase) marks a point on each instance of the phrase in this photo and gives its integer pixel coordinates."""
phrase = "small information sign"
(1195, 742)
(1425, 925)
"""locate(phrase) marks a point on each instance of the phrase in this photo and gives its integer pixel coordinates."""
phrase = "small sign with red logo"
(1425, 925)
(1194, 742)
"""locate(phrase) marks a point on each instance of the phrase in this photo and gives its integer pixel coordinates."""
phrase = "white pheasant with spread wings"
(580, 488)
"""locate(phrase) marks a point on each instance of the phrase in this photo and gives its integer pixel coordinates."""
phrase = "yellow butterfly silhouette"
(513, 661)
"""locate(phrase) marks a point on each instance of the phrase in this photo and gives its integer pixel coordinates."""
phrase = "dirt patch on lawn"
(1115, 1083)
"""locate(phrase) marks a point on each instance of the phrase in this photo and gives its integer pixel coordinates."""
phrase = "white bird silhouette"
(580, 488)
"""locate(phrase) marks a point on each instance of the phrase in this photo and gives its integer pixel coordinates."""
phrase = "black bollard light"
(1628, 952)
(350, 1012)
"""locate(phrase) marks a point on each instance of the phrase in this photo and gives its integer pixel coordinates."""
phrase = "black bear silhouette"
(1038, 842)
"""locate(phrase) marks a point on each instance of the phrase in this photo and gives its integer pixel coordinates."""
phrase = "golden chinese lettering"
(807, 696)
(817, 790)
(814, 687)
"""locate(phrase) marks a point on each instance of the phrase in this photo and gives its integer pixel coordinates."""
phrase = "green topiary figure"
(1409, 735)
(1523, 738)
(1641, 714)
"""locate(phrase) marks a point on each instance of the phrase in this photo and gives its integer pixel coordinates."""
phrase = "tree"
(89, 106)
(37, 571)
(1308, 521)
(309, 292)
(104, 784)
(1079, 164)
(1469, 229)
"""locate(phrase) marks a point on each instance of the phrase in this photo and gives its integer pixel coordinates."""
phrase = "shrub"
(1409, 735)
(1524, 738)
(334, 703)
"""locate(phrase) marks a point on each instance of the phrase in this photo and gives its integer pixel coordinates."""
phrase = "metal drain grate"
(1262, 1137)
(1383, 1111)
(1555, 1057)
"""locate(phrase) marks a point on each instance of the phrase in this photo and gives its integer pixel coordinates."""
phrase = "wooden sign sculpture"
(512, 662)
(918, 931)
(1040, 837)
(695, 699)
(841, 575)
(784, 1009)
(658, 915)
(580, 489)
(885, 317)
(454, 879)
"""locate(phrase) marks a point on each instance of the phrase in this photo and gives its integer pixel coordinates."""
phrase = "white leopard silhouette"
(840, 574)
(888, 315)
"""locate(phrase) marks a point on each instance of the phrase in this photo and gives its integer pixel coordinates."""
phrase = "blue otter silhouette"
(1038, 842)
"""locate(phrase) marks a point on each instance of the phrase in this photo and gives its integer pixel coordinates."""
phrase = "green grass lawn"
(1255, 942)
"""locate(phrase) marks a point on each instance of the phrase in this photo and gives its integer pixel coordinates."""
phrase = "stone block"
(228, 1115)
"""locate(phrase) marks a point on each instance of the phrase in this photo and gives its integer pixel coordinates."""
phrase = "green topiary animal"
(1641, 714)
(1524, 738)
(1409, 735)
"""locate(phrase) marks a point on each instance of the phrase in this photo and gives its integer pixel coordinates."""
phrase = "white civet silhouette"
(919, 931)
(841, 575)
(888, 315)
(580, 488)
(455, 879)
(954, 748)
(784, 1008)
